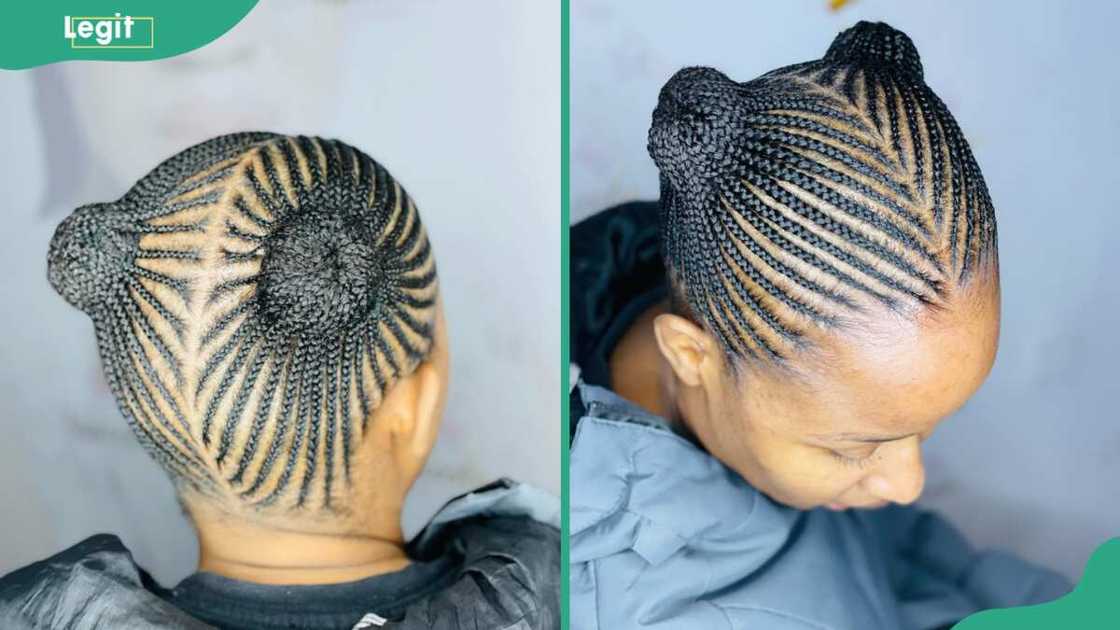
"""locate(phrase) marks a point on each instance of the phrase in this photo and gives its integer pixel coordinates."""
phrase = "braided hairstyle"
(814, 193)
(253, 298)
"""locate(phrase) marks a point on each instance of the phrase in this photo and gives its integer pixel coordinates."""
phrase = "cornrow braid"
(815, 192)
(252, 297)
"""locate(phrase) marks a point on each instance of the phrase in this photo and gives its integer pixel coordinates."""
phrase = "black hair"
(815, 191)
(253, 298)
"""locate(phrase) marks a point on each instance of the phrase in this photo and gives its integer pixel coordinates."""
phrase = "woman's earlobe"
(684, 345)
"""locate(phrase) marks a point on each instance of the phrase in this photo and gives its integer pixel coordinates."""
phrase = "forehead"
(889, 374)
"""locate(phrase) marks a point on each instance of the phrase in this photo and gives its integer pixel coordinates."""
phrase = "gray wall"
(1031, 463)
(461, 101)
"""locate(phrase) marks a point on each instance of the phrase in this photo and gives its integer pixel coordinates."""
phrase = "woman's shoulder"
(629, 465)
(93, 582)
(660, 523)
(507, 537)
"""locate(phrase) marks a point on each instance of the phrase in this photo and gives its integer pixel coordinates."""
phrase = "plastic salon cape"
(663, 536)
(501, 543)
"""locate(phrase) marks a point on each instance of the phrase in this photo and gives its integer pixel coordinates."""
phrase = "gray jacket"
(663, 536)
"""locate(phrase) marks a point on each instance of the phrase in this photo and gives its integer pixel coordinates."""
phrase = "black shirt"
(236, 605)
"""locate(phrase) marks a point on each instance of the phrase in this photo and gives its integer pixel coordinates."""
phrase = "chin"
(804, 505)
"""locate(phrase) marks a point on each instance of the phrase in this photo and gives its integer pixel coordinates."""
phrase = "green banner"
(39, 33)
(1094, 604)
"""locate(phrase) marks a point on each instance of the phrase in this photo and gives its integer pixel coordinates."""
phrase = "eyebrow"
(862, 437)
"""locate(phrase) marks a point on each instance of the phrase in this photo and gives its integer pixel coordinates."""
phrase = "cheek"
(784, 469)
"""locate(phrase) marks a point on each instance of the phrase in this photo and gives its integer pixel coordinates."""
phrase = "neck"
(636, 364)
(267, 555)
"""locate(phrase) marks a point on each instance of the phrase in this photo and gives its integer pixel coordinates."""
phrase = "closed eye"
(858, 460)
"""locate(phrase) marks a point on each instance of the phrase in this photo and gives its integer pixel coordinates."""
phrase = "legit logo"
(110, 32)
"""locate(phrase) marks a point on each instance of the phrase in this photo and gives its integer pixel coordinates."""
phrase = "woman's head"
(832, 253)
(264, 306)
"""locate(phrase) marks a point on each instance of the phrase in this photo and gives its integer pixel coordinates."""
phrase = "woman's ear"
(427, 413)
(409, 417)
(429, 394)
(684, 345)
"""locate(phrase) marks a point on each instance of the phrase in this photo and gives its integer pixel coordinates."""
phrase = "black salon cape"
(491, 565)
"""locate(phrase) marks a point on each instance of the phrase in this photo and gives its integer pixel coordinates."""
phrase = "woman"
(268, 316)
(827, 292)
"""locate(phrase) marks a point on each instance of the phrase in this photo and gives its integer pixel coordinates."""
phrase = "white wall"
(1032, 461)
(461, 101)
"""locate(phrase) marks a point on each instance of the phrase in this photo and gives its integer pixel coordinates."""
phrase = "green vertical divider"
(565, 210)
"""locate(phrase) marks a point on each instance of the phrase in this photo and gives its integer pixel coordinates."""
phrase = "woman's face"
(846, 429)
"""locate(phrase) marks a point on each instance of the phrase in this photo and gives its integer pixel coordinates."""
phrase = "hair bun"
(876, 44)
(321, 274)
(694, 125)
(88, 257)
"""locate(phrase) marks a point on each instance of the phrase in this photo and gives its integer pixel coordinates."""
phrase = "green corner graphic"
(124, 30)
(1094, 604)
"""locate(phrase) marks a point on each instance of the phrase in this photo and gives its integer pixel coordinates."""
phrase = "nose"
(901, 476)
